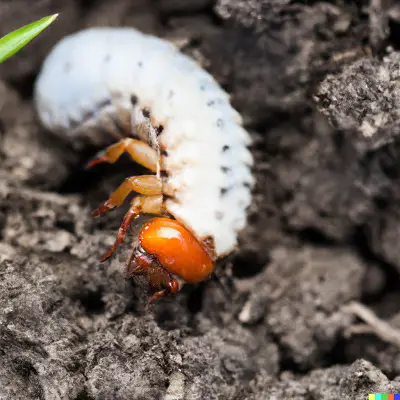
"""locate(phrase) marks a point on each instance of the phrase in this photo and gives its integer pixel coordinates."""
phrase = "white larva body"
(100, 74)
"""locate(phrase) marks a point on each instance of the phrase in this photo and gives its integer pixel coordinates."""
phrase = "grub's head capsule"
(168, 254)
(176, 249)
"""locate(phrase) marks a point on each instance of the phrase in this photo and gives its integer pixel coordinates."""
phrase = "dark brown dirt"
(308, 308)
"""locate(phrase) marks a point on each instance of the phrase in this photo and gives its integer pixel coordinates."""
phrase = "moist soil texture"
(307, 308)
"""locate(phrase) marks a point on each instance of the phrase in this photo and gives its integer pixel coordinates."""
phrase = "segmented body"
(120, 80)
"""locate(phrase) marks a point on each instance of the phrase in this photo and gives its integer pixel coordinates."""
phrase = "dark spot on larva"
(72, 123)
(67, 67)
(104, 103)
(164, 174)
(225, 148)
(146, 112)
(134, 99)
(170, 94)
(220, 123)
(225, 170)
(211, 103)
(107, 58)
(140, 64)
(247, 185)
(164, 153)
(223, 191)
(87, 115)
(203, 87)
(159, 130)
(219, 215)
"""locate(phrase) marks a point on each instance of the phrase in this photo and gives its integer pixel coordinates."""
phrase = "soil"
(309, 305)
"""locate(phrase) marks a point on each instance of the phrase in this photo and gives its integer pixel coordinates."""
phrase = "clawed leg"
(139, 205)
(140, 152)
(158, 277)
(148, 185)
(171, 287)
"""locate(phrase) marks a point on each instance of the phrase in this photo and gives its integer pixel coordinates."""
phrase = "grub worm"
(171, 117)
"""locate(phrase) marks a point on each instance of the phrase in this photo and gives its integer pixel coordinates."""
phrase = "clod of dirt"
(366, 340)
(40, 338)
(300, 296)
(339, 382)
(364, 97)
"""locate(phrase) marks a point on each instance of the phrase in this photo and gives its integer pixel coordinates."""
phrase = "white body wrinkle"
(122, 80)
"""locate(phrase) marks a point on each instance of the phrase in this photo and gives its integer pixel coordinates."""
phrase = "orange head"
(176, 249)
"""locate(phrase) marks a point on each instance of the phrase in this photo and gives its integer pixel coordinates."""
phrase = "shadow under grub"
(84, 180)
(195, 298)
(247, 264)
(395, 32)
(92, 301)
(25, 87)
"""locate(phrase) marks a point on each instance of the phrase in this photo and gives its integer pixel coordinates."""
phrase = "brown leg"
(139, 205)
(157, 276)
(148, 185)
(158, 295)
(172, 288)
(140, 152)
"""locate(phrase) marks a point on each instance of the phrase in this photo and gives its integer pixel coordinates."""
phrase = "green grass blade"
(14, 41)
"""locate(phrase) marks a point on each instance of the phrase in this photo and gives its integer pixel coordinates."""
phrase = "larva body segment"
(123, 80)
